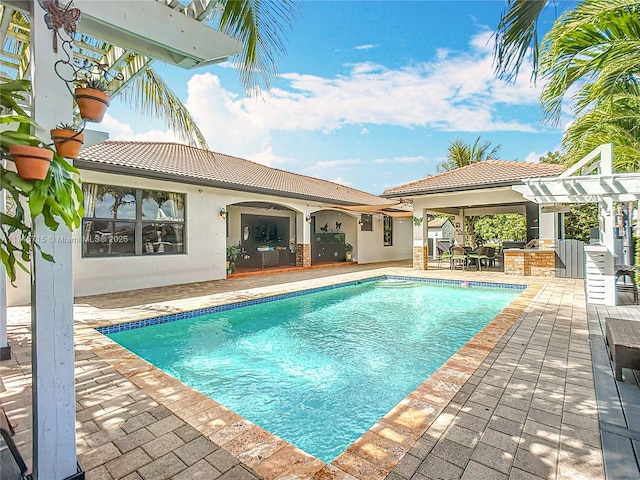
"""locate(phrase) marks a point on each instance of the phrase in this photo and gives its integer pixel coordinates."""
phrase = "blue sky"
(370, 95)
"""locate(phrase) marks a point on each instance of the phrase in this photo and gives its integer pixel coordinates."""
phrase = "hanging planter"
(92, 100)
(32, 162)
(68, 140)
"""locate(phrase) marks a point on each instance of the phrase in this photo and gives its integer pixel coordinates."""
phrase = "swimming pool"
(319, 370)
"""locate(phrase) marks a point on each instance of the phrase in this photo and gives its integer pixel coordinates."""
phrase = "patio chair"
(478, 256)
(459, 257)
(627, 272)
(442, 255)
(491, 257)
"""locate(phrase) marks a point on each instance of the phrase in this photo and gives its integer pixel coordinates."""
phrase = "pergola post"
(54, 403)
(5, 349)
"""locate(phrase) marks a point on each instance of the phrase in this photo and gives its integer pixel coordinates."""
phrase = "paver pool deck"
(518, 401)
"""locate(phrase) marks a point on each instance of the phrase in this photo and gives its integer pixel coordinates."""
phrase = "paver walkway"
(522, 407)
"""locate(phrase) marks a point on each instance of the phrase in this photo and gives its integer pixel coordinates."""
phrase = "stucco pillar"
(54, 403)
(303, 241)
(458, 224)
(420, 242)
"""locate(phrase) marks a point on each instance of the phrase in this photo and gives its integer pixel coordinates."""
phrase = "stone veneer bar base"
(530, 263)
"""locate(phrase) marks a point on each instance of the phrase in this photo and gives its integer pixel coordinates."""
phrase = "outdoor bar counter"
(530, 262)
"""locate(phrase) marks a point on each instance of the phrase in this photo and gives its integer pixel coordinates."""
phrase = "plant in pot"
(232, 254)
(57, 197)
(349, 249)
(68, 140)
(92, 99)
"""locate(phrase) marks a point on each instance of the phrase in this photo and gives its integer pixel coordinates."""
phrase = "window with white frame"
(121, 221)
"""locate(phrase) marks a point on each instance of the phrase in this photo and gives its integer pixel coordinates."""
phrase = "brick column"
(303, 255)
(420, 257)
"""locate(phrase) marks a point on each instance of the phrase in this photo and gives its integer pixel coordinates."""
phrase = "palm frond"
(261, 26)
(516, 33)
(594, 46)
(149, 94)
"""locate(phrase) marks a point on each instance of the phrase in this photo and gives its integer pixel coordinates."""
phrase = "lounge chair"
(623, 338)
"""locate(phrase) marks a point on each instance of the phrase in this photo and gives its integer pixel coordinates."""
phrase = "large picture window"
(122, 221)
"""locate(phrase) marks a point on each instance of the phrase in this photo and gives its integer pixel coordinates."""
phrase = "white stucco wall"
(371, 244)
(205, 240)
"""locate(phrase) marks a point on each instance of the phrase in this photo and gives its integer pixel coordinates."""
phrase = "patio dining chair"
(478, 256)
(443, 255)
(459, 257)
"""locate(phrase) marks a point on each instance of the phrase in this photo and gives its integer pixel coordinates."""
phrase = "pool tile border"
(106, 330)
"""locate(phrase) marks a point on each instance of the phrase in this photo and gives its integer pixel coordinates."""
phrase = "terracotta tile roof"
(194, 165)
(478, 174)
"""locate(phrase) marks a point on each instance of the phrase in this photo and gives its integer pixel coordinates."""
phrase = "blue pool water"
(319, 370)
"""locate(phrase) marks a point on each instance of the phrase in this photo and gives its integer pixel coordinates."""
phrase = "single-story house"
(164, 213)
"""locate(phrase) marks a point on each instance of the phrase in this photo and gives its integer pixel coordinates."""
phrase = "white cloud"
(341, 181)
(115, 128)
(533, 157)
(456, 91)
(367, 46)
(364, 131)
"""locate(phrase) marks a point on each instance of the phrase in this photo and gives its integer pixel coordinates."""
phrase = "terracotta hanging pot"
(67, 142)
(32, 162)
(92, 103)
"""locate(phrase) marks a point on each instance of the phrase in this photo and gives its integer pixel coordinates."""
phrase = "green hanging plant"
(57, 198)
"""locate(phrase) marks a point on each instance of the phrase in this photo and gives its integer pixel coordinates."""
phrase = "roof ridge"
(215, 154)
(277, 177)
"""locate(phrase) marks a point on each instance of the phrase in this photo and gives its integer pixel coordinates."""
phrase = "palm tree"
(595, 49)
(460, 154)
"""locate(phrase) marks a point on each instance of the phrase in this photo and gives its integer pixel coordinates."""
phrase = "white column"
(5, 349)
(458, 223)
(54, 435)
(420, 246)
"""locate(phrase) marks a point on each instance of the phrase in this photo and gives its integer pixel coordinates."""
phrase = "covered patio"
(483, 188)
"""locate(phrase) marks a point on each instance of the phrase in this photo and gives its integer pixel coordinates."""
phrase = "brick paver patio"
(518, 401)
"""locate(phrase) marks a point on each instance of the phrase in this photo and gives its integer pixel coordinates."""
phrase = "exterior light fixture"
(360, 222)
(223, 213)
(308, 219)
